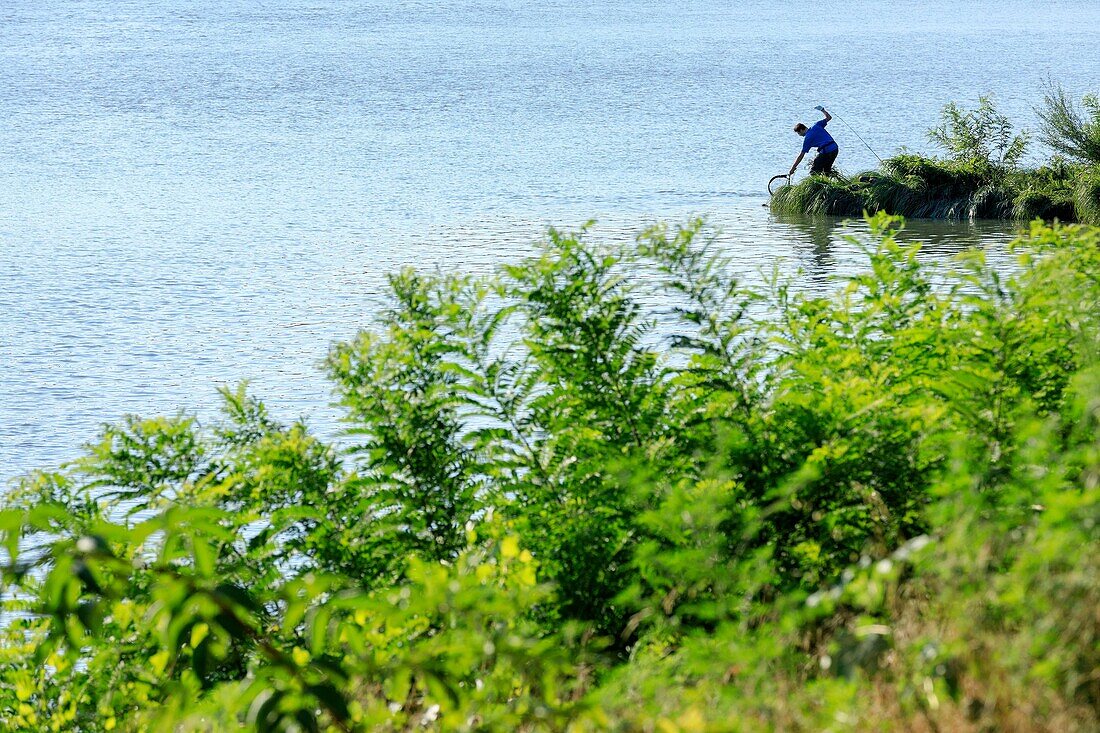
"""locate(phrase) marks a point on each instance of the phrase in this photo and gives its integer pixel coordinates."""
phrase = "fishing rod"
(821, 109)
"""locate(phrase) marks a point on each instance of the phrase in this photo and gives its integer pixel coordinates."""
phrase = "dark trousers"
(823, 163)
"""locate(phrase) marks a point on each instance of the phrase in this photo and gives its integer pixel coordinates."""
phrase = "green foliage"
(819, 195)
(1087, 197)
(1067, 129)
(607, 488)
(981, 136)
(1038, 204)
(949, 179)
(418, 482)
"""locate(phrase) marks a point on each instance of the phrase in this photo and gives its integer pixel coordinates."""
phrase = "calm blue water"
(193, 193)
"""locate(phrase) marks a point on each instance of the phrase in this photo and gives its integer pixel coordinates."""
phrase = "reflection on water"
(827, 251)
(818, 233)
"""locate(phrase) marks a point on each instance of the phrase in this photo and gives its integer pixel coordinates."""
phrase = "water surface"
(194, 193)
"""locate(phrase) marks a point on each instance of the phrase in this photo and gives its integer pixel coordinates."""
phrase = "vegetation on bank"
(980, 177)
(608, 488)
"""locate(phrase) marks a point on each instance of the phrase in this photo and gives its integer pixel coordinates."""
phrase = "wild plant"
(980, 136)
(606, 487)
(1069, 130)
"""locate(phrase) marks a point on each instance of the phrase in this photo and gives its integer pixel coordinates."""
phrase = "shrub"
(1038, 204)
(1087, 198)
(940, 179)
(909, 185)
(1066, 129)
(890, 193)
(981, 136)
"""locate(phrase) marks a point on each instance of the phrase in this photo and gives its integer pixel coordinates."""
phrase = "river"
(194, 193)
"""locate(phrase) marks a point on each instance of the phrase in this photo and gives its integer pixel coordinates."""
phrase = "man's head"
(801, 129)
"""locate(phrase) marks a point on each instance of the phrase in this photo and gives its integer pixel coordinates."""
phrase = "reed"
(817, 195)
(926, 188)
(1087, 197)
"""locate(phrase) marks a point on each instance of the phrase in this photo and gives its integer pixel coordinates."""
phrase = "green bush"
(918, 187)
(606, 488)
(1037, 204)
(1087, 198)
(981, 137)
(886, 192)
(941, 179)
(1069, 131)
(908, 185)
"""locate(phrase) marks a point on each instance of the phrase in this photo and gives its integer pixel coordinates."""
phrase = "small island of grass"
(980, 177)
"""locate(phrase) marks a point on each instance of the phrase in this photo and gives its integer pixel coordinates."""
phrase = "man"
(817, 137)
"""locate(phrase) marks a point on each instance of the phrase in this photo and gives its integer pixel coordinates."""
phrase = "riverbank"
(980, 175)
(924, 187)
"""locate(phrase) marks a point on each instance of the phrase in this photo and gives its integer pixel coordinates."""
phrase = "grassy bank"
(919, 187)
(979, 178)
(876, 510)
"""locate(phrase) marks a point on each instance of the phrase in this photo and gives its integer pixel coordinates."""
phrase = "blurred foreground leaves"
(606, 488)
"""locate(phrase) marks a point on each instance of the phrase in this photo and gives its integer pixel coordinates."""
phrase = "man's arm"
(796, 162)
(826, 113)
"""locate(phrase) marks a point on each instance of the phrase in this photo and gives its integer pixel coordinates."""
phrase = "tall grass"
(830, 195)
(906, 186)
(916, 187)
(1087, 198)
(981, 135)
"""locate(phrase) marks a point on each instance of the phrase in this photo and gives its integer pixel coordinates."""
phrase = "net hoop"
(776, 178)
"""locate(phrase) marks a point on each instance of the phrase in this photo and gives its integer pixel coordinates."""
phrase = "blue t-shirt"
(817, 137)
